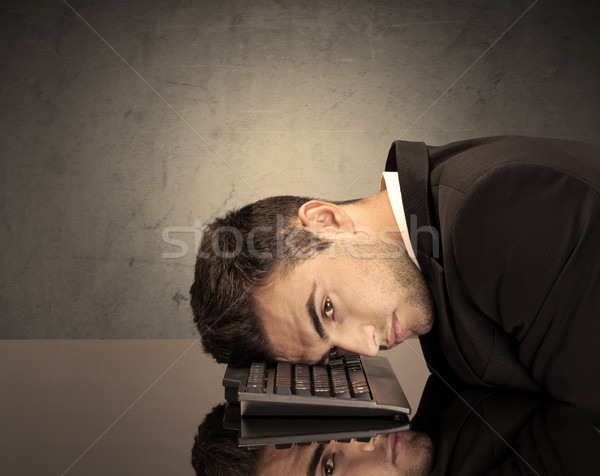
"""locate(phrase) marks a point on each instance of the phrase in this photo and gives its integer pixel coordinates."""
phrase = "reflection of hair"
(239, 251)
(216, 451)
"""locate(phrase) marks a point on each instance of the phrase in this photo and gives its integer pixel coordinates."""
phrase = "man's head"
(289, 278)
(240, 253)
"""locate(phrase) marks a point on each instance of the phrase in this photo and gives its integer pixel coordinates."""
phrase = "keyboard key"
(339, 379)
(362, 394)
(344, 394)
(321, 386)
(302, 380)
(283, 379)
(256, 378)
(360, 387)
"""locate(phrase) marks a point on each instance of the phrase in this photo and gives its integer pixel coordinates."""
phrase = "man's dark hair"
(241, 251)
(216, 451)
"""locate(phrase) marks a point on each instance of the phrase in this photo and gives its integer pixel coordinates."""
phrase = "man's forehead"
(278, 309)
(282, 308)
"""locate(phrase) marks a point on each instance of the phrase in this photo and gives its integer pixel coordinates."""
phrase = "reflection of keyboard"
(255, 432)
(350, 386)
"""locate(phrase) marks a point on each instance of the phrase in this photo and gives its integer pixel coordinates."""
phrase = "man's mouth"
(399, 332)
(397, 443)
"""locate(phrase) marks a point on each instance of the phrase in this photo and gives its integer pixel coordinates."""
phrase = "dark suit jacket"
(507, 234)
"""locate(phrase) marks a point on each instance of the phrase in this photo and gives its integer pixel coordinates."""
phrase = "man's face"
(352, 303)
(406, 453)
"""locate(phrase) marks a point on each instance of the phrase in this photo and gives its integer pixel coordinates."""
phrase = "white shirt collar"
(391, 182)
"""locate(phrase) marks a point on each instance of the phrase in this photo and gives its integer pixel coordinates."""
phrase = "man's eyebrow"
(314, 462)
(312, 311)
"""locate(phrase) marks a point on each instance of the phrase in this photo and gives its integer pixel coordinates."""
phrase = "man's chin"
(423, 323)
(423, 451)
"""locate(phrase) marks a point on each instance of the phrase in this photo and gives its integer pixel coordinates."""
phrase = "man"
(500, 276)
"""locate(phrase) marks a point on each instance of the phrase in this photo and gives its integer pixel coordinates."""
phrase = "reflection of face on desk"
(406, 453)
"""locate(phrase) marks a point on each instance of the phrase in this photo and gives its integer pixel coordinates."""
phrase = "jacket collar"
(411, 161)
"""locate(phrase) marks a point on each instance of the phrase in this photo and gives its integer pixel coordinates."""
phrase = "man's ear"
(324, 216)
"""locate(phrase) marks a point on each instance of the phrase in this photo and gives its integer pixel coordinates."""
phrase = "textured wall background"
(138, 116)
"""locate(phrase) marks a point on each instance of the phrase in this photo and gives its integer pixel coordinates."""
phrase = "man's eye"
(328, 308)
(328, 466)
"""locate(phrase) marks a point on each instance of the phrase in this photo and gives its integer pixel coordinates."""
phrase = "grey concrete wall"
(123, 119)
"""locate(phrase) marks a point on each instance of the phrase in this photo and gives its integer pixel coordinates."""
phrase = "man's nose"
(370, 446)
(357, 339)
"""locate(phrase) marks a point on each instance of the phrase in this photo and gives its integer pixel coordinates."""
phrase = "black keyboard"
(349, 386)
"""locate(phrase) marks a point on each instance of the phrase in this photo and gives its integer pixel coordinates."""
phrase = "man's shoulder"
(462, 164)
